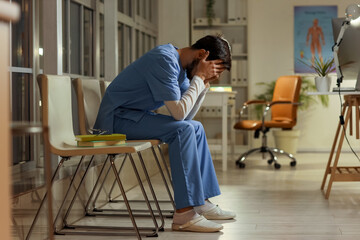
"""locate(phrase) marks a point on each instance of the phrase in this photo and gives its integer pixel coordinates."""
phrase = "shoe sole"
(176, 227)
(218, 218)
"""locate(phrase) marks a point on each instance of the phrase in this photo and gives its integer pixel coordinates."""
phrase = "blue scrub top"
(143, 86)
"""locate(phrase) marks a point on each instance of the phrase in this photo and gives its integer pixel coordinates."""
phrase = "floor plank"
(284, 204)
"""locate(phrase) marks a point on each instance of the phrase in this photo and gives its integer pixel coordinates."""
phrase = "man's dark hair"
(217, 46)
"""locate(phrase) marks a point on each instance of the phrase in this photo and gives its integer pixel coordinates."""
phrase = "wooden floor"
(284, 204)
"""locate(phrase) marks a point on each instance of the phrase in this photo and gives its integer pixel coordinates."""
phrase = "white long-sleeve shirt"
(190, 102)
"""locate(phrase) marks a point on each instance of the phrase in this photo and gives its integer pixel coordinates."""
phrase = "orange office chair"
(283, 115)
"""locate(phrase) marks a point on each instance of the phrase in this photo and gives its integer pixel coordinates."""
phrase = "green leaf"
(322, 68)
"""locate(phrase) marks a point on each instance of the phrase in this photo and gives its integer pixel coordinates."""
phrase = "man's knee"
(184, 127)
(198, 127)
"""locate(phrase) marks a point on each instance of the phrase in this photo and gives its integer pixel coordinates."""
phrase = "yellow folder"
(102, 137)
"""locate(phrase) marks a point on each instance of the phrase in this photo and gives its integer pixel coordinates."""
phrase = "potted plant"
(287, 139)
(210, 13)
(322, 69)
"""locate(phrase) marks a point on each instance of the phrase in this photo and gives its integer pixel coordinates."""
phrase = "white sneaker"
(199, 224)
(217, 213)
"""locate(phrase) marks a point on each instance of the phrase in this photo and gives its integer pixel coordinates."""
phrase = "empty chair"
(283, 115)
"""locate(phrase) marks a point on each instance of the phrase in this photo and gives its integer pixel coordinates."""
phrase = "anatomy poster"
(313, 37)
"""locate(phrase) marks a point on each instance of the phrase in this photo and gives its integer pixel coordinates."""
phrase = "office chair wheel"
(270, 161)
(293, 164)
(277, 165)
(240, 164)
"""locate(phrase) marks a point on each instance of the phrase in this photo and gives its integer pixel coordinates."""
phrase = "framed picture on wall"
(313, 37)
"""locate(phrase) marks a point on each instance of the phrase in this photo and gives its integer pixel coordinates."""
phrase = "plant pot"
(323, 83)
(287, 140)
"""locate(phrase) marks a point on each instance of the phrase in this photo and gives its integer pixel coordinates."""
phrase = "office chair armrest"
(270, 104)
(247, 103)
(256, 101)
(284, 102)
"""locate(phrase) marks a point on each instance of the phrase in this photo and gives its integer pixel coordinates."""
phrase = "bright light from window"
(221, 89)
(41, 51)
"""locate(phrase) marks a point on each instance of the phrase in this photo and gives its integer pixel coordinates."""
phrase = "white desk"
(333, 93)
(223, 99)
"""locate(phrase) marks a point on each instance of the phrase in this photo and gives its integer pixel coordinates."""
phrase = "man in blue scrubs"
(178, 79)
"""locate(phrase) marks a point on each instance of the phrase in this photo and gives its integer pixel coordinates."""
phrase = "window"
(78, 39)
(127, 46)
(120, 46)
(125, 6)
(75, 49)
(88, 42)
(22, 90)
(137, 49)
(102, 47)
(136, 35)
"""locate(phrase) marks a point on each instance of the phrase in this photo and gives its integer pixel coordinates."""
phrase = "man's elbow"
(179, 118)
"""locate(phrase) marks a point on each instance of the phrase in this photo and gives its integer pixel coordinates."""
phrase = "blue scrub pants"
(192, 168)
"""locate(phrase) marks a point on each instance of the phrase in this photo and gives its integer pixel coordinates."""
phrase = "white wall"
(174, 22)
(271, 54)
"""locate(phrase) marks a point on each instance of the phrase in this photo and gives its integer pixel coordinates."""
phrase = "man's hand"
(208, 80)
(209, 70)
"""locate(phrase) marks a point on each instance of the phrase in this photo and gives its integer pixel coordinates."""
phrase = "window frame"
(92, 6)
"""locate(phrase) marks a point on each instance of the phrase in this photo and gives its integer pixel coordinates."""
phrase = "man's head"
(218, 48)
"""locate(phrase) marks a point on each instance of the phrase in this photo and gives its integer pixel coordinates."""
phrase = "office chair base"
(271, 151)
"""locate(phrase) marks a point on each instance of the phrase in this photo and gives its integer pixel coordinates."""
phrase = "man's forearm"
(180, 109)
(198, 103)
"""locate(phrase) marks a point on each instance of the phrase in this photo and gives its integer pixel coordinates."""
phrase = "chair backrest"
(287, 88)
(103, 86)
(57, 109)
(89, 97)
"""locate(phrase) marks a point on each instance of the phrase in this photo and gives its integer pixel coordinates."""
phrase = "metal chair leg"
(76, 193)
(265, 149)
(124, 196)
(63, 159)
(135, 228)
(68, 191)
(163, 178)
(141, 211)
(113, 185)
(161, 228)
(289, 155)
(95, 186)
(103, 182)
(144, 194)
